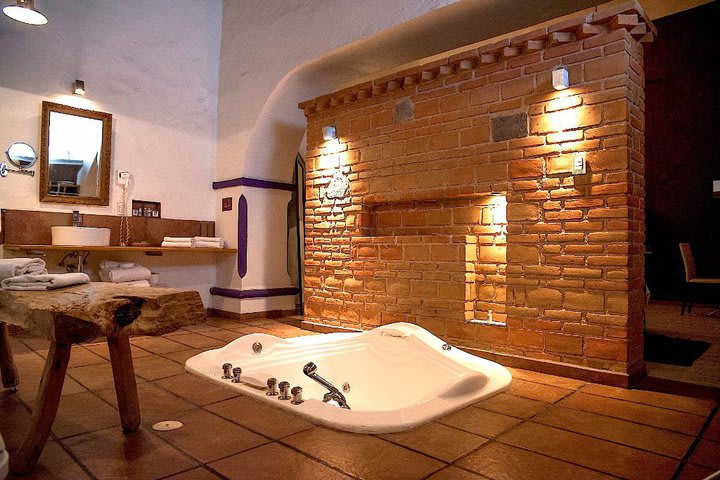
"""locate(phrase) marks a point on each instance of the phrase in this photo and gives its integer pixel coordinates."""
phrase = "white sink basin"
(80, 236)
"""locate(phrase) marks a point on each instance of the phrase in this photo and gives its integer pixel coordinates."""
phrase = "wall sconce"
(24, 11)
(560, 77)
(78, 87)
(329, 132)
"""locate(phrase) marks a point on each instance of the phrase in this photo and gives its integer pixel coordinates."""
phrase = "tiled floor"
(664, 318)
(541, 427)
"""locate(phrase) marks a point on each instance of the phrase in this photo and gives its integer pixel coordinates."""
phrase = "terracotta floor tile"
(198, 328)
(14, 421)
(139, 455)
(707, 454)
(552, 380)
(181, 356)
(590, 452)
(635, 412)
(259, 417)
(656, 399)
(208, 437)
(155, 366)
(454, 473)
(155, 403)
(438, 441)
(511, 405)
(55, 463)
(694, 472)
(196, 389)
(479, 421)
(35, 343)
(30, 368)
(157, 344)
(82, 413)
(80, 357)
(713, 430)
(195, 340)
(195, 474)
(362, 455)
(644, 437)
(102, 350)
(536, 391)
(504, 462)
(225, 336)
(273, 462)
(95, 377)
(17, 347)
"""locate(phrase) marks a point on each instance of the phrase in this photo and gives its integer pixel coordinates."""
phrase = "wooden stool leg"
(8, 371)
(124, 376)
(46, 405)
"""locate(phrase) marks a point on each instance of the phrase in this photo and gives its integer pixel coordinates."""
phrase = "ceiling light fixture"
(24, 11)
(560, 77)
(78, 87)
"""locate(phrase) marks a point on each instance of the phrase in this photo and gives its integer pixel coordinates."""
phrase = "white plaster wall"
(154, 65)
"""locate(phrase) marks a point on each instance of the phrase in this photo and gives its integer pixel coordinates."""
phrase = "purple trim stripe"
(242, 258)
(257, 293)
(253, 182)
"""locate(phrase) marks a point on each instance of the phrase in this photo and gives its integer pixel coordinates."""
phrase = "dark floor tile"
(363, 456)
(694, 472)
(156, 404)
(208, 437)
(644, 437)
(504, 462)
(645, 414)
(713, 430)
(14, 420)
(196, 389)
(590, 452)
(139, 455)
(707, 454)
(259, 417)
(54, 464)
(272, 462)
(438, 441)
(480, 422)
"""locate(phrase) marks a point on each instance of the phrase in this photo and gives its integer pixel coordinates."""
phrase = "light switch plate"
(578, 165)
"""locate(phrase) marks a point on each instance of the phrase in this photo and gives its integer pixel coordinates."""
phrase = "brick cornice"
(613, 16)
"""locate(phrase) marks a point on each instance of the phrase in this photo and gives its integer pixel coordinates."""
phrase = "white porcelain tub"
(399, 375)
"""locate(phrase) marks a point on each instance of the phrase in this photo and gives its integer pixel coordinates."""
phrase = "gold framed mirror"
(75, 146)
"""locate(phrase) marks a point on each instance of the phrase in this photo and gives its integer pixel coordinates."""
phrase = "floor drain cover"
(167, 426)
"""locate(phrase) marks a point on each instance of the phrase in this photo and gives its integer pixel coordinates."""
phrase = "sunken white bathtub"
(394, 378)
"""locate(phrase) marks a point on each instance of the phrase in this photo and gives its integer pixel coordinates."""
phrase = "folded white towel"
(208, 245)
(136, 283)
(209, 239)
(119, 275)
(177, 239)
(109, 265)
(176, 244)
(14, 267)
(46, 281)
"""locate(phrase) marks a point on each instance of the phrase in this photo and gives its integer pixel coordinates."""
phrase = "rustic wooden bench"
(81, 314)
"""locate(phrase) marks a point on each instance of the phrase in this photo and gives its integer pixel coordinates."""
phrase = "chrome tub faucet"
(333, 394)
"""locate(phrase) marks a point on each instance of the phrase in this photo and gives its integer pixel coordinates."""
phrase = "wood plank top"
(84, 312)
(120, 249)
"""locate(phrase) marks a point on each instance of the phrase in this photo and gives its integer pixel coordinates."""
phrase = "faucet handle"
(272, 387)
(296, 396)
(284, 389)
(237, 371)
(227, 371)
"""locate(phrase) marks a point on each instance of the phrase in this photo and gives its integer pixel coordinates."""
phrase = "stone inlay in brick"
(506, 127)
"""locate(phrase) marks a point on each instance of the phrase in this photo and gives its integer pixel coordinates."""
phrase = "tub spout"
(334, 394)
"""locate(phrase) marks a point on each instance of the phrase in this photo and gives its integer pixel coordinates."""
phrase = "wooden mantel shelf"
(150, 250)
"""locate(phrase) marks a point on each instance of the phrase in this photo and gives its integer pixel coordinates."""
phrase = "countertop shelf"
(147, 250)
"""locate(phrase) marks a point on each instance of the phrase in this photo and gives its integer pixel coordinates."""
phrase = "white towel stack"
(125, 273)
(44, 281)
(15, 267)
(194, 242)
(177, 242)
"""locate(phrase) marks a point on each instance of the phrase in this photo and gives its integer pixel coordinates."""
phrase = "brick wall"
(422, 234)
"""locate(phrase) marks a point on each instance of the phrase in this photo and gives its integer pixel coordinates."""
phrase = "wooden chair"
(692, 281)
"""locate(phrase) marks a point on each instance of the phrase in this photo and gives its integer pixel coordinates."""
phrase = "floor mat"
(673, 351)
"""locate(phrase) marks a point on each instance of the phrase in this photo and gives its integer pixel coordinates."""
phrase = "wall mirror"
(75, 155)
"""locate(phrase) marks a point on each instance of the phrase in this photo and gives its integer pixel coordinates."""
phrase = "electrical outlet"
(578, 165)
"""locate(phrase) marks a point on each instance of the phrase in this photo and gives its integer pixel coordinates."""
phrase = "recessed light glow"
(24, 11)
(79, 87)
